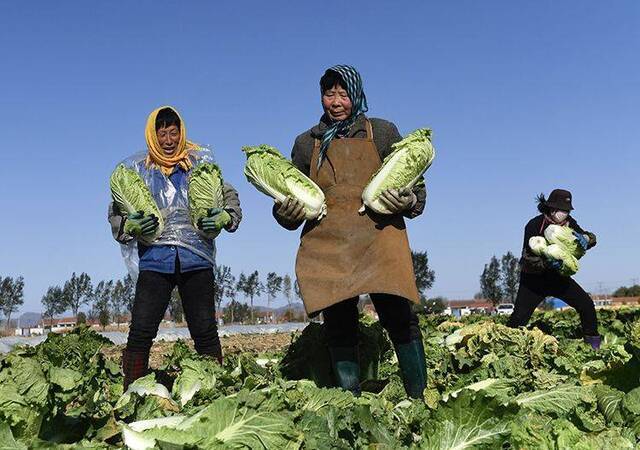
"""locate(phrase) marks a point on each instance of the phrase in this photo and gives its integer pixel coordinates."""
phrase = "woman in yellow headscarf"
(182, 256)
(168, 146)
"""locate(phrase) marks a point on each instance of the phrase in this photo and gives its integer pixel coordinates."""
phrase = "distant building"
(602, 301)
(57, 325)
(461, 308)
(29, 331)
(607, 300)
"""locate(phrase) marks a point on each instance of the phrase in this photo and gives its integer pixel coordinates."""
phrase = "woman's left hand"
(216, 220)
(582, 239)
(398, 201)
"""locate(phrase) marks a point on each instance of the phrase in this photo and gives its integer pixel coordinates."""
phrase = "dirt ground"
(255, 343)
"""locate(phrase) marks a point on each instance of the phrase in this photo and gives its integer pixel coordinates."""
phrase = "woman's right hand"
(291, 210)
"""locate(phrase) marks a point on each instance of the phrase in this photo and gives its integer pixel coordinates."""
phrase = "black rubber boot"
(593, 341)
(346, 368)
(413, 367)
(134, 366)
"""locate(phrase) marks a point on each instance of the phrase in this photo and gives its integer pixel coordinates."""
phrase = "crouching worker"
(346, 253)
(540, 277)
(178, 255)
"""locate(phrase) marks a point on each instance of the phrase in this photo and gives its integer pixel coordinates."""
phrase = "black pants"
(396, 316)
(535, 288)
(153, 293)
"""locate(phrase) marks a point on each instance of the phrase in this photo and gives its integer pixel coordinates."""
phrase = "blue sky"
(522, 97)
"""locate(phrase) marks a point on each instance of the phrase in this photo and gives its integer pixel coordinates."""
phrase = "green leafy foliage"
(489, 386)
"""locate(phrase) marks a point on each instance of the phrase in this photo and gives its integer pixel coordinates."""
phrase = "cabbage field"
(489, 386)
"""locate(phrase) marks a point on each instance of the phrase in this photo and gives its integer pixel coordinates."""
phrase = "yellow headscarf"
(157, 155)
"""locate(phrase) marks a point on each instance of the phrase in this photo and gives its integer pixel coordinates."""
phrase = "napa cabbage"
(564, 236)
(569, 262)
(274, 175)
(402, 168)
(538, 245)
(205, 191)
(130, 194)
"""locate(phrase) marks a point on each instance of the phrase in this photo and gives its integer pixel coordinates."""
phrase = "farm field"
(489, 387)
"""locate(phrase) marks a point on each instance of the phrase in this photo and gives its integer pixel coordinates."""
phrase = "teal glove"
(137, 224)
(216, 220)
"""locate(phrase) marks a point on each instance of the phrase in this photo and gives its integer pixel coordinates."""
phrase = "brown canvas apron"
(347, 254)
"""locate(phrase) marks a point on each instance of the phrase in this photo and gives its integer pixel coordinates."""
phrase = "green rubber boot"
(346, 368)
(413, 367)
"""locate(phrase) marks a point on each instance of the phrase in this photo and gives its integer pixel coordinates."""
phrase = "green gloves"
(216, 220)
(137, 224)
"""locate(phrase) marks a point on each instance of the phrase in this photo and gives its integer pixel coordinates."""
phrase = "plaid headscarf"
(353, 80)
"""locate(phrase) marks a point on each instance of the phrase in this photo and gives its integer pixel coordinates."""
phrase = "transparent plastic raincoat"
(173, 205)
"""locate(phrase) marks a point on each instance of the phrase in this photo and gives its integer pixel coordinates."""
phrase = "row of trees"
(251, 286)
(631, 291)
(107, 299)
(110, 299)
(500, 279)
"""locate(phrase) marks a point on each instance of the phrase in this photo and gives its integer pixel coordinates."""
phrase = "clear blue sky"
(522, 96)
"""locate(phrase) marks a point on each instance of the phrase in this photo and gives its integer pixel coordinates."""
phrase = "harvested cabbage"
(563, 236)
(130, 194)
(402, 168)
(569, 262)
(205, 191)
(538, 244)
(274, 175)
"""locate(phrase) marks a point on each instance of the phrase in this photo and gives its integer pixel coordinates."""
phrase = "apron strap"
(313, 167)
(369, 130)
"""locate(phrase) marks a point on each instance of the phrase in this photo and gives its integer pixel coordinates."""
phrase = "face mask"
(559, 216)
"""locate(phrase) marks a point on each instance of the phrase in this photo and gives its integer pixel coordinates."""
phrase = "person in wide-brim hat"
(559, 199)
(539, 277)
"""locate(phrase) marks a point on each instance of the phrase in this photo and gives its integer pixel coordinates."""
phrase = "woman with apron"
(539, 276)
(347, 254)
